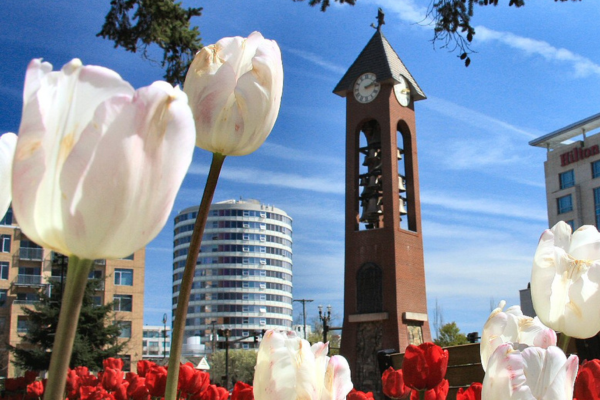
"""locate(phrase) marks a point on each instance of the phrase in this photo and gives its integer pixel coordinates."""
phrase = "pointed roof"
(378, 57)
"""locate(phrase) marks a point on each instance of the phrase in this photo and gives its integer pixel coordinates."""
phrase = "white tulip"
(8, 142)
(565, 280)
(531, 374)
(511, 326)
(288, 368)
(98, 164)
(234, 89)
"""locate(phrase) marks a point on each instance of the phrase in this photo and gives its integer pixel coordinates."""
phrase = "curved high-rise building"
(243, 278)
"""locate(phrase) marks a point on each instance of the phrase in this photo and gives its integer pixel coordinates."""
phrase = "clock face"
(366, 88)
(402, 92)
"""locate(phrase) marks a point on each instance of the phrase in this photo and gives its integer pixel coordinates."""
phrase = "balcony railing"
(28, 280)
(30, 301)
(31, 253)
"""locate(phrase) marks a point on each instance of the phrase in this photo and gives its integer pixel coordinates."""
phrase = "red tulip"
(440, 392)
(143, 367)
(393, 384)
(114, 363)
(120, 392)
(424, 366)
(82, 371)
(111, 379)
(587, 384)
(156, 381)
(35, 390)
(95, 393)
(137, 388)
(242, 391)
(473, 392)
(186, 376)
(193, 381)
(358, 395)
(213, 392)
(73, 383)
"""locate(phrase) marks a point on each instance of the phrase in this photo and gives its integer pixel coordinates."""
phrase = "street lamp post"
(227, 334)
(304, 301)
(325, 318)
(165, 336)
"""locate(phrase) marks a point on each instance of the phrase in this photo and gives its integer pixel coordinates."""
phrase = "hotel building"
(25, 268)
(243, 278)
(572, 170)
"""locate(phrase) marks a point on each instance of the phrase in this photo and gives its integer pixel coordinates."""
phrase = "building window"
(369, 288)
(97, 301)
(125, 327)
(8, 217)
(123, 302)
(124, 277)
(596, 169)
(3, 270)
(597, 205)
(3, 297)
(2, 325)
(126, 362)
(571, 223)
(5, 243)
(565, 204)
(22, 325)
(567, 179)
(95, 274)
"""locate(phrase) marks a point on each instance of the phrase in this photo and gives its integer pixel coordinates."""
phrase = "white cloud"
(316, 59)
(287, 153)
(408, 11)
(280, 179)
(583, 66)
(483, 206)
(477, 119)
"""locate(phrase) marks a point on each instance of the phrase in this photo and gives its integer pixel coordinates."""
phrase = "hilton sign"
(578, 154)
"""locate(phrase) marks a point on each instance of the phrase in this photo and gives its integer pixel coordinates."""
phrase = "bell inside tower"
(371, 196)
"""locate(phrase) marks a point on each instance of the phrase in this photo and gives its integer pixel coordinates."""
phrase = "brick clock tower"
(385, 304)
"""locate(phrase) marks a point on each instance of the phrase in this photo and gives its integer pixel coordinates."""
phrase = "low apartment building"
(25, 268)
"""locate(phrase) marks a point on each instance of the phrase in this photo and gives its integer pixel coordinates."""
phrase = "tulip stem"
(422, 394)
(188, 276)
(563, 342)
(77, 277)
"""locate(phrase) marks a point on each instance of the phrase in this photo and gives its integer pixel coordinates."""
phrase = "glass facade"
(243, 278)
(567, 179)
(597, 206)
(565, 204)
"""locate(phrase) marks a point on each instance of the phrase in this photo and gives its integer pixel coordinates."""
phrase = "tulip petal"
(533, 373)
(234, 88)
(8, 143)
(337, 381)
(135, 202)
(94, 171)
(585, 243)
(564, 288)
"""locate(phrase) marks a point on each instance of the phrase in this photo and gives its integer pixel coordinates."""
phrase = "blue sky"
(482, 186)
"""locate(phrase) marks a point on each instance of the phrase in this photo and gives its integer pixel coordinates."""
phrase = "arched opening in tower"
(406, 187)
(371, 196)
